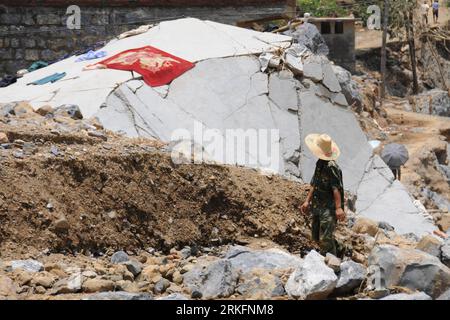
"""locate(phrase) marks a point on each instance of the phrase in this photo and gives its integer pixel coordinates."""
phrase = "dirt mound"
(126, 194)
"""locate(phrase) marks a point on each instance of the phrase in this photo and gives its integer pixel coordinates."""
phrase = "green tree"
(321, 8)
(401, 26)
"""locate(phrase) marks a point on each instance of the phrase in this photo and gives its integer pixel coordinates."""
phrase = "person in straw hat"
(325, 199)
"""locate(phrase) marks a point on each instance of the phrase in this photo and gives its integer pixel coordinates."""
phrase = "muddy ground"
(88, 191)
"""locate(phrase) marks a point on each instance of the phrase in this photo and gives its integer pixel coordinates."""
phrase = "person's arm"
(340, 214)
(305, 206)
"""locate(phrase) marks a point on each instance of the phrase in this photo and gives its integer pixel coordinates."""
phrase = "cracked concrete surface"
(382, 198)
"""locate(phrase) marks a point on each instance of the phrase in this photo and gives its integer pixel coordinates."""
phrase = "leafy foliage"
(321, 8)
(399, 18)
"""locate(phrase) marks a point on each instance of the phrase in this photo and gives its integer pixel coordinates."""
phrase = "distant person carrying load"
(326, 196)
(435, 7)
(424, 9)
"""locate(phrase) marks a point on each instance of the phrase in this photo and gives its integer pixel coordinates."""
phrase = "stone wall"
(30, 33)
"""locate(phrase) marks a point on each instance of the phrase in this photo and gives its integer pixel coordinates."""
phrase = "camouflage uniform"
(327, 176)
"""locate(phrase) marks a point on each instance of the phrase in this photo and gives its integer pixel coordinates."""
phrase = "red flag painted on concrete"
(156, 66)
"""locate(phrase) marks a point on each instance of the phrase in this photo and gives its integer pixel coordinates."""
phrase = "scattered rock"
(333, 262)
(196, 294)
(351, 276)
(89, 274)
(71, 285)
(177, 277)
(119, 256)
(44, 110)
(43, 279)
(23, 108)
(135, 267)
(3, 138)
(405, 296)
(97, 134)
(70, 110)
(410, 268)
(161, 286)
(54, 150)
(40, 290)
(385, 226)
(365, 225)
(97, 285)
(61, 225)
(444, 221)
(7, 287)
(18, 154)
(430, 245)
(7, 109)
(27, 265)
(445, 253)
(186, 252)
(313, 279)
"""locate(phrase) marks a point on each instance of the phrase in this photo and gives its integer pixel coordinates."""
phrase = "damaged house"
(240, 79)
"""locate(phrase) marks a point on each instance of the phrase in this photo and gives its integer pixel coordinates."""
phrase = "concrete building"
(339, 34)
(33, 30)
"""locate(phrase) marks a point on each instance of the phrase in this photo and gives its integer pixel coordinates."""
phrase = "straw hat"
(322, 146)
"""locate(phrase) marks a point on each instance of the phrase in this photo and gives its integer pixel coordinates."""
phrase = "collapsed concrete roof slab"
(234, 95)
(191, 39)
(382, 198)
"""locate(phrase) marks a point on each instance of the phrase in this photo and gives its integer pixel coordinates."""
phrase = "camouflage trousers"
(323, 226)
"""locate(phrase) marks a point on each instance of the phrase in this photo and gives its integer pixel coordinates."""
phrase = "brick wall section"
(30, 33)
(151, 3)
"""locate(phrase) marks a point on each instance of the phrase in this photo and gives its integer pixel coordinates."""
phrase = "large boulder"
(245, 259)
(313, 279)
(410, 268)
(350, 277)
(215, 280)
(308, 35)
